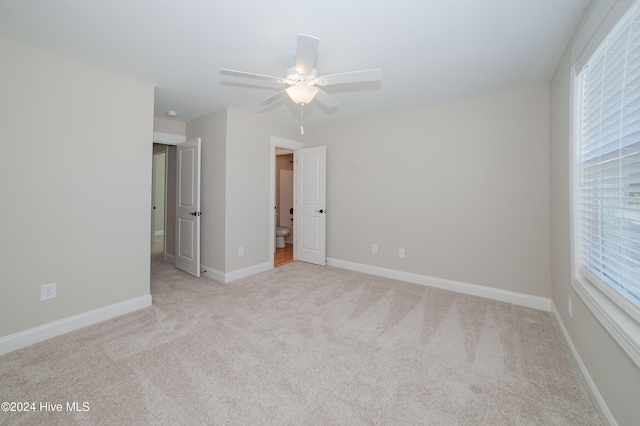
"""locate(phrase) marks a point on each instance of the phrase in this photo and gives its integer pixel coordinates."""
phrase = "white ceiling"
(430, 51)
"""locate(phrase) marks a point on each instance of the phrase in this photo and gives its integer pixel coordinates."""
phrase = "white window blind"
(609, 161)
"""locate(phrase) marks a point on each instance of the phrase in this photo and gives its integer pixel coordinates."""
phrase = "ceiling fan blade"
(281, 94)
(306, 53)
(326, 99)
(253, 75)
(351, 77)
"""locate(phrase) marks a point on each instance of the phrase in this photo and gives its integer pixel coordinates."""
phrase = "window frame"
(618, 315)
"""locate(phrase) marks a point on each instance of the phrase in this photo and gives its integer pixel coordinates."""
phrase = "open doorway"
(284, 207)
(166, 143)
(159, 188)
(284, 148)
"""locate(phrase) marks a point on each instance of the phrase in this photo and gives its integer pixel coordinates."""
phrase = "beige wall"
(248, 162)
(212, 130)
(463, 188)
(75, 179)
(235, 187)
(614, 374)
(171, 126)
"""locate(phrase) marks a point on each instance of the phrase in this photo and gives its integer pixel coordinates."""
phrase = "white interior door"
(188, 207)
(153, 202)
(310, 210)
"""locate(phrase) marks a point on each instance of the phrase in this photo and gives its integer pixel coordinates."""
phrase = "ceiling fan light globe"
(302, 93)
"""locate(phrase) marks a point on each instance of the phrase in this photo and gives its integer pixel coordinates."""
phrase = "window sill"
(618, 316)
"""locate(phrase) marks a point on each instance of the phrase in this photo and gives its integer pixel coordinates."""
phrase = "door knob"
(320, 211)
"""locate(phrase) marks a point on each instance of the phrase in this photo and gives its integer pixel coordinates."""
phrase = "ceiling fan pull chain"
(301, 120)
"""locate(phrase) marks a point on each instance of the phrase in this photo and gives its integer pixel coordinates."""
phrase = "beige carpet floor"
(303, 345)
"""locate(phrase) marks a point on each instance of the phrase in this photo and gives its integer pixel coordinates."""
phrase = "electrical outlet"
(374, 248)
(569, 307)
(401, 252)
(47, 291)
(240, 251)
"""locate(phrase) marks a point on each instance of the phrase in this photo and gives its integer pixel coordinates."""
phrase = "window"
(607, 182)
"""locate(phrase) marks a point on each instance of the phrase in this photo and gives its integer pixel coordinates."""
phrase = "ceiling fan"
(303, 79)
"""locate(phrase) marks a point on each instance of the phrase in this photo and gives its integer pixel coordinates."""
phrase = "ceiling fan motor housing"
(295, 77)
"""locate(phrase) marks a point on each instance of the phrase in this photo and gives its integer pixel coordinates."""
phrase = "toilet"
(280, 234)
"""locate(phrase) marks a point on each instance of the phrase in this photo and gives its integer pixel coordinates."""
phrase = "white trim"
(43, 332)
(168, 138)
(152, 207)
(248, 271)
(237, 274)
(520, 299)
(214, 274)
(592, 389)
(614, 312)
(618, 316)
(279, 142)
(165, 207)
(603, 18)
(157, 150)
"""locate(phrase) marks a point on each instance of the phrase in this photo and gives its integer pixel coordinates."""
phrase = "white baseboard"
(535, 302)
(596, 398)
(235, 275)
(520, 299)
(212, 273)
(245, 272)
(43, 332)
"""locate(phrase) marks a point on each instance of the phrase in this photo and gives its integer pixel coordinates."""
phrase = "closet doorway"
(158, 209)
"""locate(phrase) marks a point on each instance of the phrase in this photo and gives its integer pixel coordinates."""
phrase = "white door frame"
(167, 139)
(153, 199)
(276, 142)
(157, 150)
